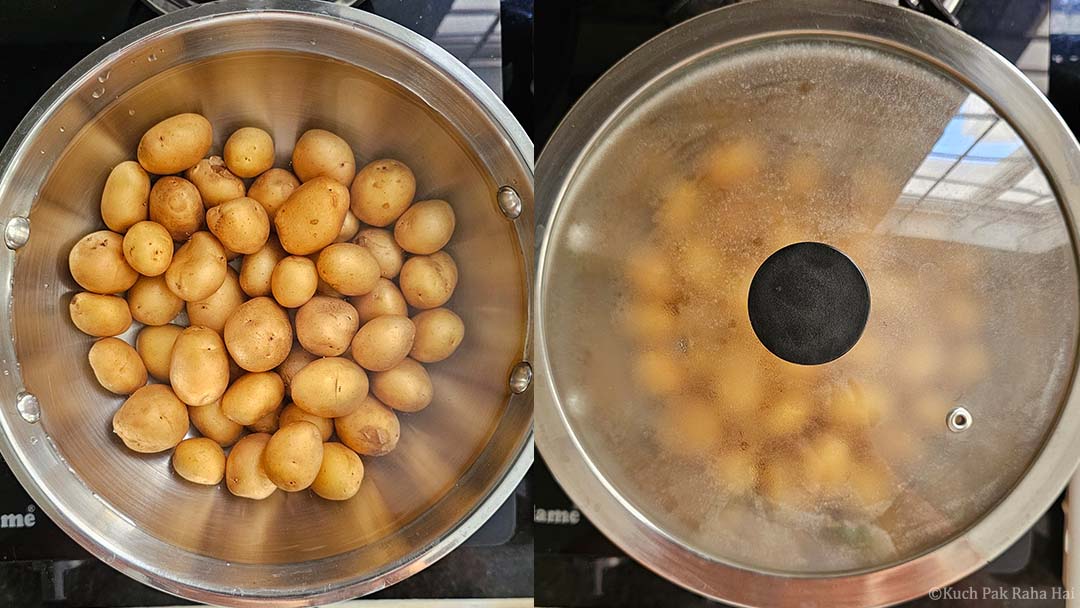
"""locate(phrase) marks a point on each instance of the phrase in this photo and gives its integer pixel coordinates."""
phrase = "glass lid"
(816, 306)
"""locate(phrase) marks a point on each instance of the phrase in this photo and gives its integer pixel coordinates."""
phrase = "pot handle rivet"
(509, 202)
(17, 232)
(28, 407)
(521, 377)
(959, 420)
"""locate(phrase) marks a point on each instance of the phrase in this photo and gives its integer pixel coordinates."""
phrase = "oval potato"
(297, 359)
(293, 456)
(198, 269)
(294, 281)
(151, 420)
(245, 475)
(215, 182)
(272, 189)
(148, 248)
(125, 200)
(249, 151)
(322, 153)
(439, 332)
(425, 227)
(117, 367)
(340, 473)
(253, 396)
(97, 263)
(175, 144)
(382, 191)
(406, 387)
(329, 387)
(371, 430)
(199, 460)
(349, 269)
(259, 335)
(214, 425)
(176, 204)
(383, 342)
(384, 299)
(98, 315)
(154, 345)
(199, 367)
(324, 326)
(257, 268)
(240, 224)
(349, 228)
(428, 281)
(382, 245)
(152, 302)
(312, 216)
(290, 414)
(215, 310)
(266, 424)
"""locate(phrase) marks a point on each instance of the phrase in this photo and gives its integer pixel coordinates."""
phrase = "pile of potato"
(296, 328)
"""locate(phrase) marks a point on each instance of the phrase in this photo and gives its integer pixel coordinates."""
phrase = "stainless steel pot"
(285, 66)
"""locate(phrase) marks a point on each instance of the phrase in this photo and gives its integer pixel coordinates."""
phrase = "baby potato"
(215, 182)
(340, 473)
(348, 268)
(438, 334)
(311, 217)
(321, 153)
(258, 335)
(199, 460)
(406, 387)
(425, 227)
(382, 191)
(245, 475)
(266, 424)
(325, 325)
(372, 429)
(154, 345)
(383, 299)
(151, 420)
(214, 425)
(98, 315)
(659, 373)
(252, 396)
(383, 342)
(175, 144)
(199, 367)
(125, 200)
(152, 302)
(176, 204)
(382, 245)
(97, 263)
(215, 310)
(117, 366)
(428, 281)
(788, 416)
(148, 248)
(730, 164)
(272, 189)
(198, 269)
(240, 224)
(297, 359)
(257, 268)
(249, 151)
(290, 414)
(349, 228)
(293, 456)
(329, 387)
(293, 281)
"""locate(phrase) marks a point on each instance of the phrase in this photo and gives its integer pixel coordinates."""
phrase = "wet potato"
(340, 473)
(294, 281)
(311, 217)
(215, 310)
(425, 227)
(199, 366)
(272, 189)
(175, 144)
(198, 268)
(329, 387)
(98, 315)
(258, 335)
(252, 396)
(241, 224)
(429, 281)
(382, 191)
(257, 268)
(125, 200)
(249, 151)
(199, 460)
(215, 182)
(175, 204)
(381, 244)
(290, 414)
(97, 263)
(214, 425)
(245, 475)
(371, 429)
(154, 345)
(383, 299)
(320, 153)
(406, 387)
(117, 367)
(152, 302)
(349, 269)
(151, 420)
(325, 325)
(293, 456)
(148, 248)
(383, 342)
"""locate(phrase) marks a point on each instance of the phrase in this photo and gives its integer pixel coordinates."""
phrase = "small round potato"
(325, 325)
(382, 191)
(349, 269)
(349, 228)
(117, 366)
(249, 151)
(266, 424)
(321, 153)
(290, 414)
(259, 335)
(383, 342)
(425, 227)
(382, 245)
(329, 387)
(215, 182)
(198, 269)
(98, 315)
(253, 396)
(176, 204)
(151, 420)
(175, 144)
(97, 263)
(155, 344)
(297, 359)
(272, 189)
(384, 299)
(148, 248)
(215, 310)
(152, 302)
(258, 267)
(293, 456)
(340, 474)
(240, 224)
(199, 460)
(372, 430)
(406, 387)
(438, 334)
(312, 216)
(245, 474)
(125, 200)
(199, 367)
(429, 281)
(294, 281)
(214, 425)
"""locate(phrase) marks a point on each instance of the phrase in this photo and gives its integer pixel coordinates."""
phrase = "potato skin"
(148, 248)
(406, 387)
(97, 263)
(349, 228)
(199, 366)
(212, 423)
(154, 345)
(253, 396)
(152, 302)
(439, 332)
(215, 310)
(349, 269)
(215, 182)
(151, 420)
(425, 227)
(257, 268)
(297, 359)
(372, 430)
(245, 475)
(249, 151)
(294, 281)
(329, 387)
(240, 224)
(176, 204)
(382, 191)
(428, 281)
(125, 199)
(383, 342)
(340, 473)
(384, 299)
(199, 460)
(98, 315)
(272, 189)
(325, 325)
(117, 366)
(322, 153)
(382, 245)
(290, 414)
(293, 456)
(198, 269)
(175, 144)
(312, 216)
(266, 424)
(259, 335)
